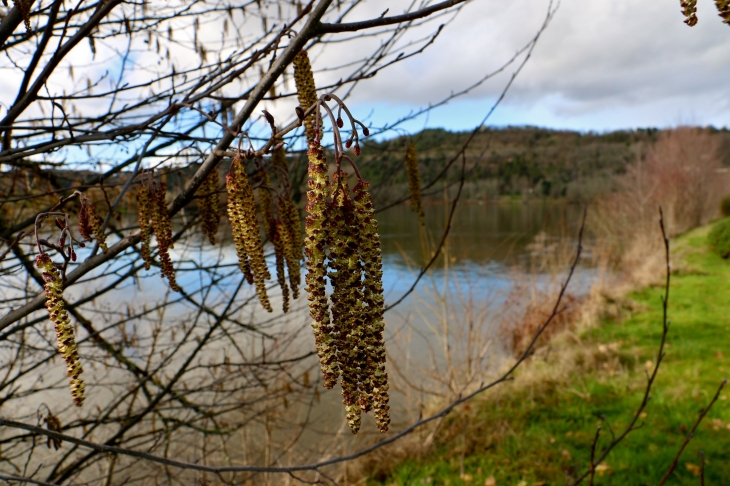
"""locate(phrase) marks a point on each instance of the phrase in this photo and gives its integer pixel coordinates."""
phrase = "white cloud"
(600, 64)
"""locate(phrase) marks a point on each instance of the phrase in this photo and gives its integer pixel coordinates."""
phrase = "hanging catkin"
(414, 181)
(289, 215)
(144, 213)
(273, 230)
(209, 204)
(306, 92)
(347, 323)
(23, 7)
(280, 239)
(53, 288)
(689, 10)
(246, 235)
(90, 223)
(371, 256)
(162, 226)
(234, 208)
(315, 243)
(723, 8)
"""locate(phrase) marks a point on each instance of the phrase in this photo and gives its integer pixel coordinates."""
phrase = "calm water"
(442, 337)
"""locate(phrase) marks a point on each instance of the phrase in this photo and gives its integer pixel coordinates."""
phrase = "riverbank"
(539, 428)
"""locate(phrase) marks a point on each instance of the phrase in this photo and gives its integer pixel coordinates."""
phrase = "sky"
(601, 65)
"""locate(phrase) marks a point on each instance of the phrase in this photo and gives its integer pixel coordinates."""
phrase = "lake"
(442, 339)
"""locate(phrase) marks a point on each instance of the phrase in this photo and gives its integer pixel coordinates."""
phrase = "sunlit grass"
(541, 432)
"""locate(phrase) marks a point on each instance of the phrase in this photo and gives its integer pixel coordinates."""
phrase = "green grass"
(541, 434)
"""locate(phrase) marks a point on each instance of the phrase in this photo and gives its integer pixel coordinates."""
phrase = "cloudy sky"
(600, 65)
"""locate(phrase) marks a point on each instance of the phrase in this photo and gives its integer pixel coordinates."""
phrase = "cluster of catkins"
(689, 10)
(280, 219)
(283, 232)
(90, 223)
(342, 244)
(53, 287)
(414, 181)
(341, 236)
(245, 227)
(153, 216)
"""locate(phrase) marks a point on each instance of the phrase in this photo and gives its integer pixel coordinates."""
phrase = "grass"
(538, 430)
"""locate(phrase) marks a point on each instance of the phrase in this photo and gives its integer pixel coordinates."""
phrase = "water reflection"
(438, 338)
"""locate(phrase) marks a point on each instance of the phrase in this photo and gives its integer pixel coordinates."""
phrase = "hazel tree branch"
(384, 21)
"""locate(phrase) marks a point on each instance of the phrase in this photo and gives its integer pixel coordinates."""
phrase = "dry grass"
(682, 173)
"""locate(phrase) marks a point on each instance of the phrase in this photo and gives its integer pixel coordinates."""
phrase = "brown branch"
(702, 468)
(27, 98)
(11, 22)
(383, 21)
(263, 86)
(660, 357)
(17, 239)
(593, 455)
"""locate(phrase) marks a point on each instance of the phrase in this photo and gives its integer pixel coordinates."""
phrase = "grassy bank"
(539, 429)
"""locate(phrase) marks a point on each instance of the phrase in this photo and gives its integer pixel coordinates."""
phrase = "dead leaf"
(566, 454)
(490, 481)
(693, 468)
(602, 468)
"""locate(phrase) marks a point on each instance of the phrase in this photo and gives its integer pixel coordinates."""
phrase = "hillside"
(514, 161)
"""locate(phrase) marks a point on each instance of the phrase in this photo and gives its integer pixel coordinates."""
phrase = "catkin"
(163, 233)
(273, 230)
(306, 92)
(23, 7)
(246, 235)
(289, 215)
(90, 223)
(371, 256)
(144, 213)
(414, 181)
(53, 288)
(689, 10)
(234, 207)
(280, 239)
(315, 243)
(723, 8)
(209, 204)
(347, 323)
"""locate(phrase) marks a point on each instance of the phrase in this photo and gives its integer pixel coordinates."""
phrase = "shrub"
(679, 172)
(719, 238)
(725, 206)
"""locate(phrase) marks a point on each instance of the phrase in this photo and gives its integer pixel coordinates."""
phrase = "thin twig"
(660, 357)
(593, 454)
(691, 435)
